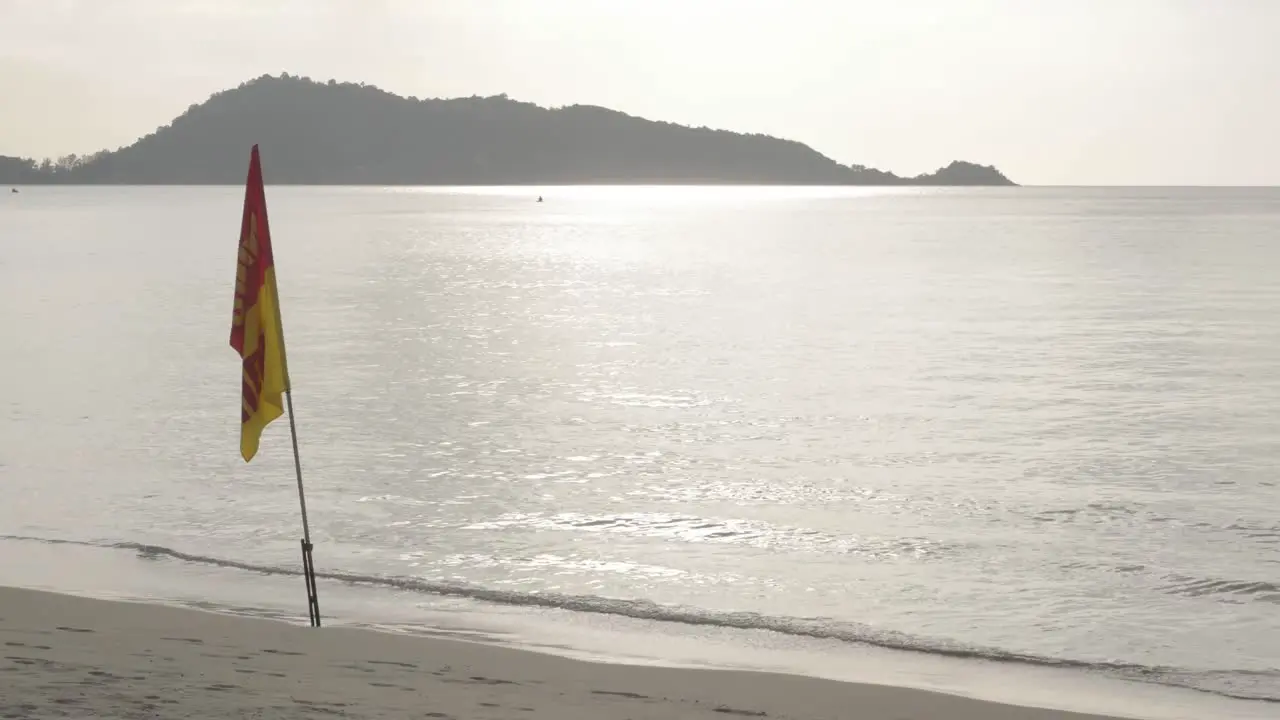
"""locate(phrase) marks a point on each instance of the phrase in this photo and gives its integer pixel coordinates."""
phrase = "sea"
(1016, 443)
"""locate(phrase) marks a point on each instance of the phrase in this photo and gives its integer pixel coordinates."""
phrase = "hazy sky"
(1050, 91)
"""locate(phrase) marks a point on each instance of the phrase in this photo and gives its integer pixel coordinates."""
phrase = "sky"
(1052, 92)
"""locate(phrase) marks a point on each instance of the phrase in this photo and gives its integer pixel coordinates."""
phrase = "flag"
(256, 332)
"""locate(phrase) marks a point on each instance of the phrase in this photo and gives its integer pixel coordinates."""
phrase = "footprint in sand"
(409, 666)
(746, 713)
(629, 695)
(491, 681)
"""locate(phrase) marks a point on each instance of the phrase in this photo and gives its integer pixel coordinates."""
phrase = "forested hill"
(314, 133)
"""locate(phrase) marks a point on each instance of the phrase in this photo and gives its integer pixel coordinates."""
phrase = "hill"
(333, 133)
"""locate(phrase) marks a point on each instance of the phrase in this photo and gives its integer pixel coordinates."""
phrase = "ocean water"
(1029, 427)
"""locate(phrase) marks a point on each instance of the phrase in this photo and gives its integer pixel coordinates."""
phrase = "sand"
(65, 656)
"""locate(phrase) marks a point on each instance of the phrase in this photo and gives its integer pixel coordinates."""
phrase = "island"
(331, 133)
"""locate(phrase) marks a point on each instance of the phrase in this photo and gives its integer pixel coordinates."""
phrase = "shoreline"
(99, 574)
(112, 658)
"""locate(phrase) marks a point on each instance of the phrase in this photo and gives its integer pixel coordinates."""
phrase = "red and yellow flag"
(256, 332)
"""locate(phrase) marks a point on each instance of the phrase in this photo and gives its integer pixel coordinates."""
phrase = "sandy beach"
(66, 656)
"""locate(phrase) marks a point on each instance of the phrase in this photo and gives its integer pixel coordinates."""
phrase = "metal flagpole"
(308, 565)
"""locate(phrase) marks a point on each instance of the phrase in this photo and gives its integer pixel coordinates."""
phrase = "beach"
(68, 656)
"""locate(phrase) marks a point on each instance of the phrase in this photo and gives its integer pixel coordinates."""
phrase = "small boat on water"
(13, 190)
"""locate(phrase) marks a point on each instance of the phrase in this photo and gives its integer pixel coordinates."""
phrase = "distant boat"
(539, 197)
(15, 191)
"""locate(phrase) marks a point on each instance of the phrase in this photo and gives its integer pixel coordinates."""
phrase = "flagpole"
(308, 565)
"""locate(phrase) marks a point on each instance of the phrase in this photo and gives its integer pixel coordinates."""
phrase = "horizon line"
(642, 184)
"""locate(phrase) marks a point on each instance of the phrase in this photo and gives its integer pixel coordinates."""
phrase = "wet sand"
(65, 656)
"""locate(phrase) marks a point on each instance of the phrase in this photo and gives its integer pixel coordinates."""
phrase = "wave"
(818, 628)
(1238, 589)
(696, 529)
